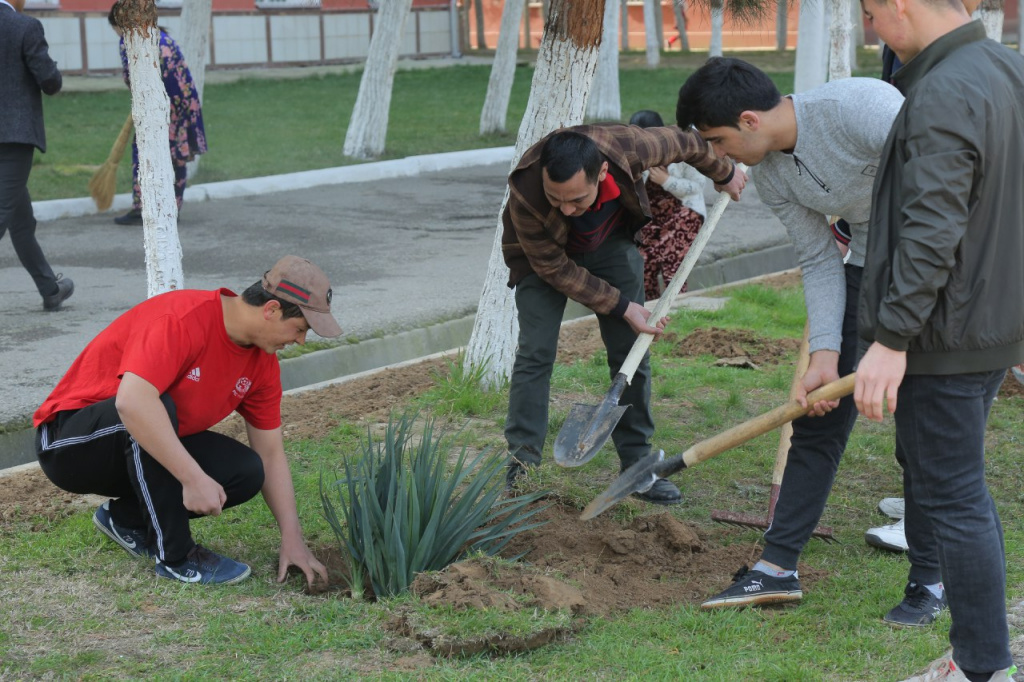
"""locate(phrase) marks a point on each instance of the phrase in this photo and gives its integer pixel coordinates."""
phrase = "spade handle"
(643, 341)
(764, 423)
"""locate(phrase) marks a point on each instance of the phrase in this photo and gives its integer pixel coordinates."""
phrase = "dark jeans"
(89, 451)
(16, 215)
(816, 448)
(540, 308)
(940, 429)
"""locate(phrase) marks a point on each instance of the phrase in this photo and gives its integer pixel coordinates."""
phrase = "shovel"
(587, 427)
(781, 456)
(642, 475)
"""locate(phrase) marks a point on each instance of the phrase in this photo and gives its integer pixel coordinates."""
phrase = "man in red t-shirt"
(131, 417)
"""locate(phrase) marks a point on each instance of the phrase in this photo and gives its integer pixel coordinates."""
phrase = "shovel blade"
(585, 432)
(636, 479)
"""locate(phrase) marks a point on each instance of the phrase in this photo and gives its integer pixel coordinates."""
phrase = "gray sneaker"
(946, 669)
(919, 607)
(893, 507)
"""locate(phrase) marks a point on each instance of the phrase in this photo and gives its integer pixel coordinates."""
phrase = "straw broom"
(103, 182)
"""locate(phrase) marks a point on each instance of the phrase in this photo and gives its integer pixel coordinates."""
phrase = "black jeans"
(16, 214)
(540, 307)
(816, 448)
(88, 451)
(940, 429)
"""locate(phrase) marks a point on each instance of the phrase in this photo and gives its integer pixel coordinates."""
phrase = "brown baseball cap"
(298, 281)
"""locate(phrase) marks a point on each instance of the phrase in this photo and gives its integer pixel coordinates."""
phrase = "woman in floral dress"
(187, 136)
(676, 195)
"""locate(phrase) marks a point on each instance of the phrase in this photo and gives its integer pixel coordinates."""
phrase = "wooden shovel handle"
(737, 435)
(664, 304)
(786, 433)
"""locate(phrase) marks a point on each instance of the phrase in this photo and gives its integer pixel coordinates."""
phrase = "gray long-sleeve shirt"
(841, 130)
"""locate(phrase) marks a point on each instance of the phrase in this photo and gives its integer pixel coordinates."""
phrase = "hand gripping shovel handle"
(664, 304)
(642, 475)
(587, 428)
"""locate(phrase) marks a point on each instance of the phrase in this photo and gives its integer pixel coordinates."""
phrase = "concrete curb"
(345, 363)
(364, 172)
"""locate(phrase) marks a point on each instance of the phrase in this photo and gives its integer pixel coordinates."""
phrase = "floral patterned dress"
(186, 133)
(674, 225)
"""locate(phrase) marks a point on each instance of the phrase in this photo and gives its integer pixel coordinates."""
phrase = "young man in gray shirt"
(812, 155)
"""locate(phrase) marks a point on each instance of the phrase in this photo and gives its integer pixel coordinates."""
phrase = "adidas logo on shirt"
(193, 375)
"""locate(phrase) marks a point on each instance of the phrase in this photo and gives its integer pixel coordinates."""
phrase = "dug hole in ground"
(592, 568)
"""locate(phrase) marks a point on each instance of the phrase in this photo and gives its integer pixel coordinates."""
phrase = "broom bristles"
(102, 185)
(104, 181)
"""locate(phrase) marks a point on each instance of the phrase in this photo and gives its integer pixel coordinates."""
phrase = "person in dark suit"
(26, 70)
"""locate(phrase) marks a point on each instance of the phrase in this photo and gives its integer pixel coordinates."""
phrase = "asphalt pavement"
(402, 253)
(405, 243)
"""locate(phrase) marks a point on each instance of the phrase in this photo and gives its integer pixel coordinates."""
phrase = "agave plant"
(405, 509)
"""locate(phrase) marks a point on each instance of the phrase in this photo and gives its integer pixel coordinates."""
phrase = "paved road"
(401, 253)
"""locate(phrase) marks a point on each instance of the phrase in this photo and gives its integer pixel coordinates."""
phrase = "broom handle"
(117, 151)
(643, 341)
(737, 435)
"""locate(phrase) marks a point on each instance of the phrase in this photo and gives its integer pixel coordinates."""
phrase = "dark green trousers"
(540, 308)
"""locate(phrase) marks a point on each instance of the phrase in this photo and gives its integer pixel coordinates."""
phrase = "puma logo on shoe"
(754, 586)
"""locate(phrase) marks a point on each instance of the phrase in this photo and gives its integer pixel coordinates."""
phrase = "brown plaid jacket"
(534, 234)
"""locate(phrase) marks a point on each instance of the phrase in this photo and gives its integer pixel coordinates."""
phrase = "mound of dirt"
(733, 344)
(591, 568)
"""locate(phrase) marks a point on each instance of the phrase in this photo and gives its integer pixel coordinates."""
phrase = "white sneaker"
(945, 669)
(891, 537)
(893, 507)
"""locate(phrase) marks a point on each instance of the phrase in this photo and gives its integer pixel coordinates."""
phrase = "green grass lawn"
(259, 127)
(77, 606)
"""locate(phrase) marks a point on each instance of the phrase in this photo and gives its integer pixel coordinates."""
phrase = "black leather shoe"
(663, 491)
(65, 287)
(515, 472)
(132, 217)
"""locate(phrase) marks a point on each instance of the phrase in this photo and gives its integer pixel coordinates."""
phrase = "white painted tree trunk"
(195, 41)
(605, 101)
(651, 7)
(481, 38)
(679, 10)
(558, 97)
(839, 32)
(625, 26)
(503, 70)
(368, 128)
(991, 14)
(811, 47)
(857, 37)
(152, 112)
(717, 22)
(781, 25)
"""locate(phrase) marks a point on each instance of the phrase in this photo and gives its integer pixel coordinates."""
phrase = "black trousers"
(817, 446)
(16, 214)
(89, 451)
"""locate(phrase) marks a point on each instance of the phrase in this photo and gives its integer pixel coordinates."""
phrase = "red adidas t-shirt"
(177, 342)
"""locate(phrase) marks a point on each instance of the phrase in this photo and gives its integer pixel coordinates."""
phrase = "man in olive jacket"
(576, 203)
(945, 254)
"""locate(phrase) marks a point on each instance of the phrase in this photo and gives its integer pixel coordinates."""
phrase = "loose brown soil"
(589, 568)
